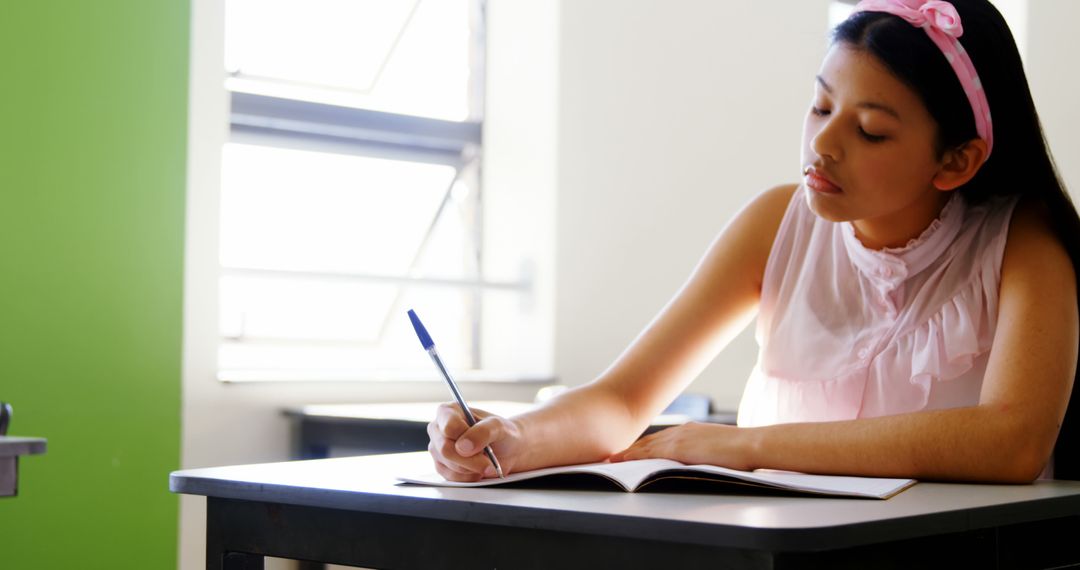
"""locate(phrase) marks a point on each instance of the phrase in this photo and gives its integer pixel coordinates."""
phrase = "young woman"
(916, 294)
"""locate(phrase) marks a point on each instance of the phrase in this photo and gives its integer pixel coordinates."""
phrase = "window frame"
(280, 122)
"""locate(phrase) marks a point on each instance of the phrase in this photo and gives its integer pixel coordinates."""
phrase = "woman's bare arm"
(1007, 437)
(592, 421)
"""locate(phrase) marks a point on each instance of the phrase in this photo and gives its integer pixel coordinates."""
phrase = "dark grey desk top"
(11, 446)
(726, 520)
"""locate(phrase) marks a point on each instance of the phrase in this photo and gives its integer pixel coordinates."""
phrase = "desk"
(350, 511)
(10, 450)
(369, 429)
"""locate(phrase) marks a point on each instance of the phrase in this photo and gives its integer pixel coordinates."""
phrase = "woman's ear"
(960, 164)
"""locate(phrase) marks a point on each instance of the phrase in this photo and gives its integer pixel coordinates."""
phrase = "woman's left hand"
(693, 443)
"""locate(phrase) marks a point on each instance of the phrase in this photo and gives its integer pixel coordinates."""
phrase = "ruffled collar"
(888, 268)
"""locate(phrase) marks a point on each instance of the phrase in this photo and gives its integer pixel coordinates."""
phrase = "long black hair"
(1020, 164)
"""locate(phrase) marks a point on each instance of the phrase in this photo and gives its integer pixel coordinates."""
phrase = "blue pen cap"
(421, 332)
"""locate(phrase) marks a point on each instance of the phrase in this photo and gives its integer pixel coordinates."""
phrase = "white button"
(887, 272)
(864, 352)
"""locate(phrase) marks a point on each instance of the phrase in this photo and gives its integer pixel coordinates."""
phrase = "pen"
(429, 346)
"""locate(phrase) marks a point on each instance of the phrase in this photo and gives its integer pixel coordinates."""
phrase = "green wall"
(93, 112)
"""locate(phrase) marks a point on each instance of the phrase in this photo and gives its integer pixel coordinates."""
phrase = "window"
(350, 188)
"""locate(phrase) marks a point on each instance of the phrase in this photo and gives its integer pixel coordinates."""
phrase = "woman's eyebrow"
(863, 105)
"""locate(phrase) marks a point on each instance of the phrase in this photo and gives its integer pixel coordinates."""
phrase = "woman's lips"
(819, 183)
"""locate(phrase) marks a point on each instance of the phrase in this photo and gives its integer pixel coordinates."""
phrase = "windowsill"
(308, 376)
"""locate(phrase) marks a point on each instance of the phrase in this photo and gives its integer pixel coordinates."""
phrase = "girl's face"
(869, 144)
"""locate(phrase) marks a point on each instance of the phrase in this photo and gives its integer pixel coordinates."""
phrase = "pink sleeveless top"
(847, 332)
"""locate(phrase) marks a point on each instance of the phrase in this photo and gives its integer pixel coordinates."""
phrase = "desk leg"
(220, 553)
(9, 476)
(241, 561)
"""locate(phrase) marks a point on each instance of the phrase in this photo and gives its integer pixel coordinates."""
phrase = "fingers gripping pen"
(429, 346)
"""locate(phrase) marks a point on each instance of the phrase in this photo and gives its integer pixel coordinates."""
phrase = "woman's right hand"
(458, 450)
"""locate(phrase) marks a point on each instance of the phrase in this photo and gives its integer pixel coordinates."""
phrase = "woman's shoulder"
(1030, 220)
(772, 203)
(1032, 229)
(766, 210)
(746, 240)
(1032, 246)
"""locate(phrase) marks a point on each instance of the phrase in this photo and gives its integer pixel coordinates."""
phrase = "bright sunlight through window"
(350, 187)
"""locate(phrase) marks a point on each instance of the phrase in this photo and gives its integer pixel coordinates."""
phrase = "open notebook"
(634, 475)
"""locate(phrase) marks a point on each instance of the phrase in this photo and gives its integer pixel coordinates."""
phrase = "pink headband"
(942, 24)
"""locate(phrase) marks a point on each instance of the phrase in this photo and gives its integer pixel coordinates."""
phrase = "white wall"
(519, 179)
(1053, 51)
(672, 116)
